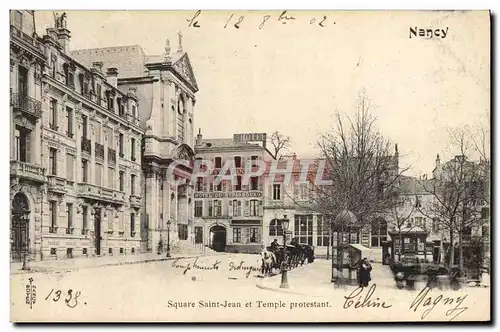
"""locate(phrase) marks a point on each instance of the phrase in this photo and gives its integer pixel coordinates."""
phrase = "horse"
(268, 262)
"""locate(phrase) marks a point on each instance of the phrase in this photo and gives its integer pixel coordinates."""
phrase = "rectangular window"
(85, 215)
(132, 149)
(22, 144)
(254, 235)
(198, 208)
(236, 235)
(111, 178)
(133, 112)
(98, 175)
(254, 183)
(121, 145)
(132, 184)
(254, 208)
(237, 162)
(69, 122)
(53, 216)
(122, 181)
(84, 126)
(275, 228)
(111, 141)
(69, 215)
(236, 208)
(70, 164)
(254, 160)
(99, 94)
(85, 171)
(323, 231)
(210, 209)
(132, 224)
(276, 192)
(199, 184)
(418, 202)
(303, 191)
(111, 102)
(53, 115)
(217, 208)
(238, 183)
(303, 228)
(218, 162)
(111, 217)
(53, 161)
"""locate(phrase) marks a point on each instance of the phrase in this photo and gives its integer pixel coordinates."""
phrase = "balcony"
(86, 145)
(96, 193)
(31, 107)
(27, 171)
(56, 184)
(99, 150)
(111, 155)
(135, 201)
(26, 39)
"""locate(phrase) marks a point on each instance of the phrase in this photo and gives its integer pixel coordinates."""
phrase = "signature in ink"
(422, 300)
(366, 302)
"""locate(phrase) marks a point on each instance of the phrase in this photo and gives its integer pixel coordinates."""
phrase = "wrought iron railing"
(99, 150)
(86, 145)
(31, 106)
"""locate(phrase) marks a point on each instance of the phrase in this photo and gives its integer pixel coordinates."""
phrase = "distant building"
(229, 216)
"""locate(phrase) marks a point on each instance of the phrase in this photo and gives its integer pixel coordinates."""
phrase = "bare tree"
(280, 143)
(363, 169)
(460, 191)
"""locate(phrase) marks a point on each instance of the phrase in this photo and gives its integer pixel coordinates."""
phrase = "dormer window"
(69, 74)
(111, 100)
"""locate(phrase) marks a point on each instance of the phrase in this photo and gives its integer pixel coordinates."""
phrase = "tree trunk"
(401, 244)
(452, 248)
(461, 244)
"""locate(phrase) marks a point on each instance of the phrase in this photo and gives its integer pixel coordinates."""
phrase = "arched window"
(275, 228)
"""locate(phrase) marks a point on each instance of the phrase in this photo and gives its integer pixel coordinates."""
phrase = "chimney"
(438, 161)
(199, 137)
(63, 34)
(112, 76)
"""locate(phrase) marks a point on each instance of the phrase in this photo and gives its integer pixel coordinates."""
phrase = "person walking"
(364, 273)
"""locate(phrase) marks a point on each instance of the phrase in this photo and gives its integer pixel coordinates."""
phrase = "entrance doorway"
(19, 227)
(218, 238)
(97, 230)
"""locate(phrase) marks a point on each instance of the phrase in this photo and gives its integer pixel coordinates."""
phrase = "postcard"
(250, 166)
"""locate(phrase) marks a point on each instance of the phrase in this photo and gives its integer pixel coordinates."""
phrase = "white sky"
(292, 77)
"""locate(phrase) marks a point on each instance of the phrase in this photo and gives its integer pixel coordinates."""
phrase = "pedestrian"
(364, 273)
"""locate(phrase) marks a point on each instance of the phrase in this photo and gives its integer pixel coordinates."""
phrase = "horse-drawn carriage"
(409, 270)
(295, 255)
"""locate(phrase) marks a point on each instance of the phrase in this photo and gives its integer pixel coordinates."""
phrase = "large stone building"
(166, 88)
(229, 216)
(93, 132)
(86, 145)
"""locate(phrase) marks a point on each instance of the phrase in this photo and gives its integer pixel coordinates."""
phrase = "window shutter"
(271, 194)
(247, 208)
(230, 208)
(27, 147)
(261, 210)
(247, 235)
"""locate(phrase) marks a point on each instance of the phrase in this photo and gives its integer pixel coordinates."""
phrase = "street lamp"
(168, 237)
(284, 277)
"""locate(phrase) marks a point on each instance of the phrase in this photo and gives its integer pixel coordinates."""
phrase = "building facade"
(88, 147)
(228, 216)
(166, 87)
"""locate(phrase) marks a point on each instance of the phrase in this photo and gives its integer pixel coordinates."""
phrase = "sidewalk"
(65, 265)
(314, 280)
